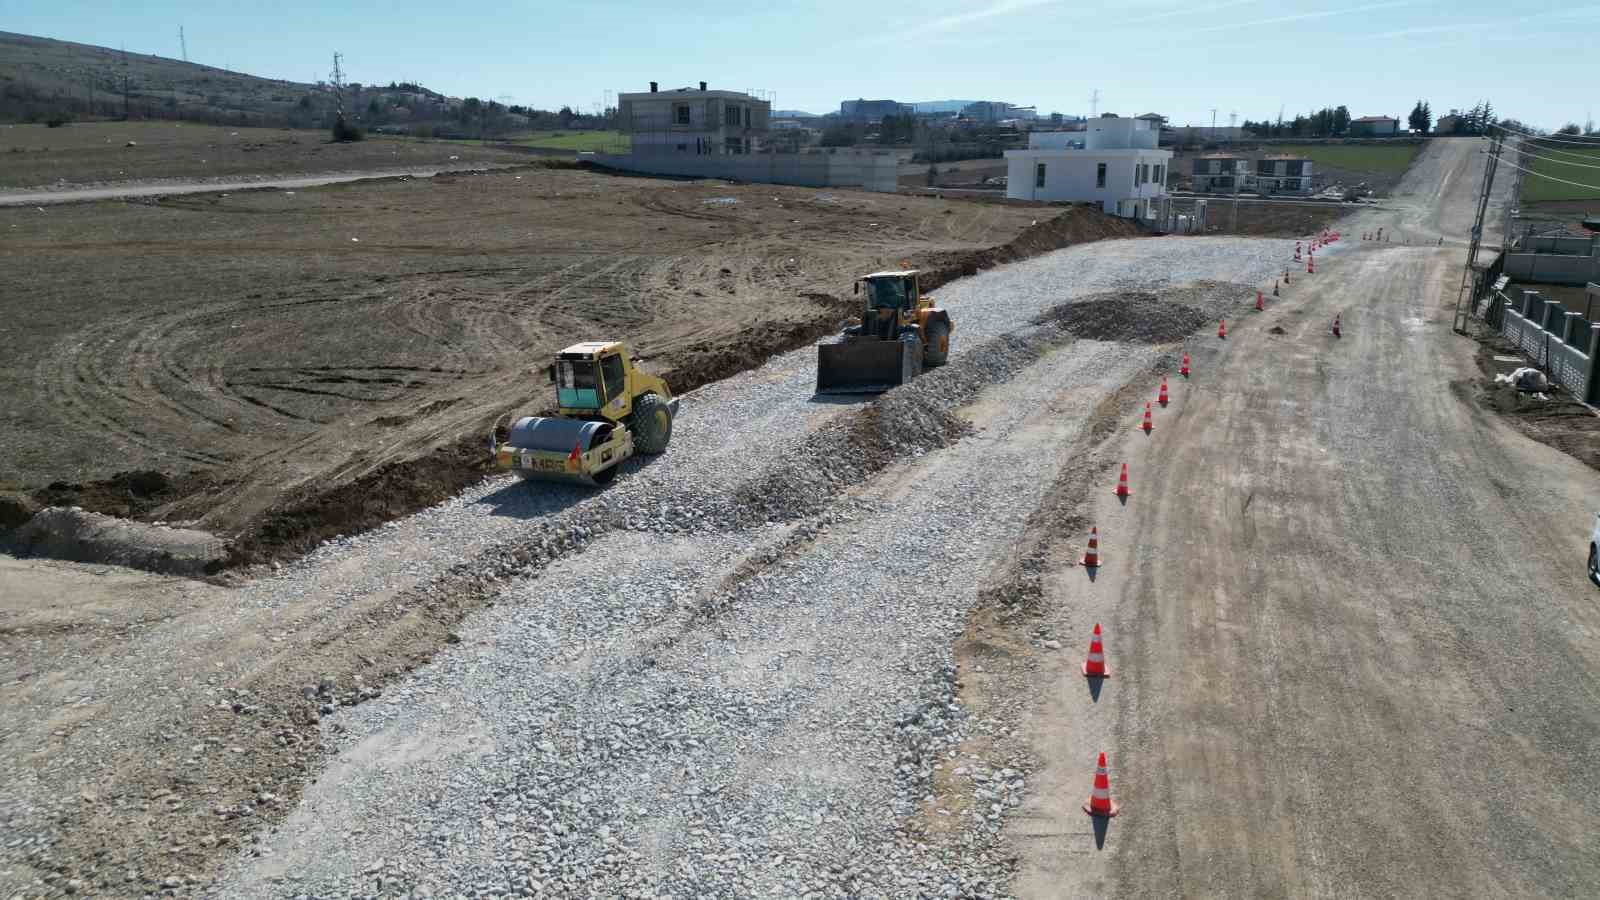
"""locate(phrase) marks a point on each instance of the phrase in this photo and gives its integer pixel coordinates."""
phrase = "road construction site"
(282, 367)
(831, 647)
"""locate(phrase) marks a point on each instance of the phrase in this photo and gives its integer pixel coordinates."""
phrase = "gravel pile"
(1144, 318)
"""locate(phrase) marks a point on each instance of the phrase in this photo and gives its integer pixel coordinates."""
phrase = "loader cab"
(589, 376)
(891, 300)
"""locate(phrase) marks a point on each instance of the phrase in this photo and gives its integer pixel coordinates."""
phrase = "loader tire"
(937, 351)
(651, 424)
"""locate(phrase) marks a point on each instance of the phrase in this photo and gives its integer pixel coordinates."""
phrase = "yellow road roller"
(607, 409)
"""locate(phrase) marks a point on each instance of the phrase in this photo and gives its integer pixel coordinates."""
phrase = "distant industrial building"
(872, 110)
(1113, 162)
(996, 111)
(1283, 175)
(693, 121)
(1448, 123)
(1374, 126)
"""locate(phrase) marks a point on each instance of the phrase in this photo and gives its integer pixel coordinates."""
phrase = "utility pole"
(183, 44)
(1094, 103)
(1469, 275)
(124, 84)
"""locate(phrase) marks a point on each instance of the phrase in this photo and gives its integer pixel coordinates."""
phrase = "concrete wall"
(1564, 344)
(872, 171)
(1552, 268)
(1573, 245)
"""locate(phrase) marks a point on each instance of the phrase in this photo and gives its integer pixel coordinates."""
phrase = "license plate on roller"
(542, 463)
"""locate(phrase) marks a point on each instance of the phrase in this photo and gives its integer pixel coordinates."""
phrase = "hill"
(44, 80)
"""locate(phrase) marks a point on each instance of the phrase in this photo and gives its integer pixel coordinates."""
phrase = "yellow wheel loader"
(900, 333)
(607, 410)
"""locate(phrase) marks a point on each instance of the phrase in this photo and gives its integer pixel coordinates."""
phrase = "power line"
(1592, 187)
(1558, 162)
(1542, 137)
(1564, 152)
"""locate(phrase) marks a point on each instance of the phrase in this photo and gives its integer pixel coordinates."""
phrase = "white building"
(1113, 162)
(690, 121)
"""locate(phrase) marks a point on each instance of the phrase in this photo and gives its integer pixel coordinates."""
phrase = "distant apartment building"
(988, 111)
(1374, 126)
(693, 121)
(1283, 175)
(1448, 123)
(1113, 162)
(872, 110)
(1212, 172)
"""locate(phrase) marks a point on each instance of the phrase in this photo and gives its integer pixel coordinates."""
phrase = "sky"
(1180, 58)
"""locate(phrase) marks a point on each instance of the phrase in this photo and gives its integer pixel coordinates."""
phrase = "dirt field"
(34, 156)
(261, 348)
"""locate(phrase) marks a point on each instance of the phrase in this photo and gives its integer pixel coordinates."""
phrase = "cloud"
(1463, 27)
(990, 11)
(1301, 17)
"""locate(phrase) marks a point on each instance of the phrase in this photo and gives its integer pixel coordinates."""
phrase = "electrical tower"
(337, 77)
(1469, 276)
(183, 44)
(1094, 103)
(124, 84)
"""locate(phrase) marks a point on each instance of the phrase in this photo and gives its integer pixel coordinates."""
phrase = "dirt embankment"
(730, 319)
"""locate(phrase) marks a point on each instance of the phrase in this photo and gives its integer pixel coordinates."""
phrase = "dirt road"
(1347, 616)
(176, 188)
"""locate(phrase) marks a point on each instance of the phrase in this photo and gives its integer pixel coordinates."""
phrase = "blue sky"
(1181, 58)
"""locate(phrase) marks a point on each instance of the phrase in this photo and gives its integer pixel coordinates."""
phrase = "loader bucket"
(867, 366)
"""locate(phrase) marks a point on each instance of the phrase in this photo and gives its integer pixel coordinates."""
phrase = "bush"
(344, 131)
(56, 121)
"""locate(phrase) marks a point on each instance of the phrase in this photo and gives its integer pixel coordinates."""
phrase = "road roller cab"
(607, 409)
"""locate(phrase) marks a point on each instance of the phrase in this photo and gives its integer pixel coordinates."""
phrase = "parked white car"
(1594, 551)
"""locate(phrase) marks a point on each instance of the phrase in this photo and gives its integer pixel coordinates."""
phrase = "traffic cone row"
(1147, 426)
(1184, 369)
(1122, 483)
(1162, 397)
(1222, 329)
(1259, 306)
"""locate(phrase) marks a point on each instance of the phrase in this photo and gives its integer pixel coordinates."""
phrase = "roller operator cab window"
(611, 375)
(576, 386)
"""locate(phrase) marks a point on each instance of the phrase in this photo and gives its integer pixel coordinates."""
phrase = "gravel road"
(782, 670)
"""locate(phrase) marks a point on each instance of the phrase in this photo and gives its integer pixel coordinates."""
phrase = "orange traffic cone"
(1184, 369)
(1222, 328)
(1099, 802)
(1095, 665)
(1259, 306)
(1147, 425)
(1161, 398)
(1091, 556)
(1122, 483)
(1336, 326)
(1311, 267)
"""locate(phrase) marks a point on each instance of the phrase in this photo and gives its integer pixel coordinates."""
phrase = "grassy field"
(577, 141)
(1571, 163)
(100, 152)
(1389, 159)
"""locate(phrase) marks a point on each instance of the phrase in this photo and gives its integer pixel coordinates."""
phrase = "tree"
(1414, 121)
(1341, 119)
(1569, 128)
(567, 115)
(1427, 117)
